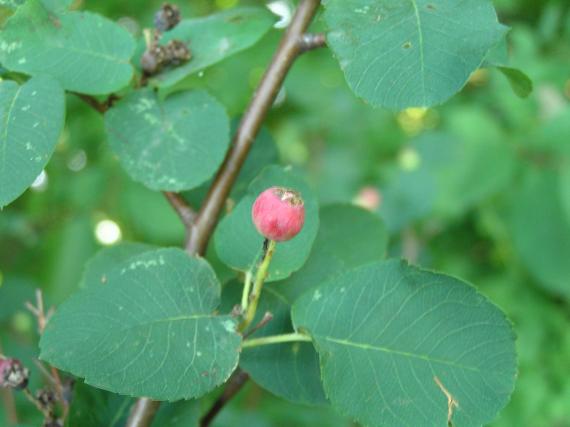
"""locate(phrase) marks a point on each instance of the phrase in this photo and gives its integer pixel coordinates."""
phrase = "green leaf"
(175, 144)
(31, 120)
(83, 51)
(148, 331)
(214, 38)
(411, 53)
(290, 371)
(107, 259)
(178, 414)
(519, 81)
(348, 237)
(237, 242)
(540, 227)
(388, 333)
(498, 57)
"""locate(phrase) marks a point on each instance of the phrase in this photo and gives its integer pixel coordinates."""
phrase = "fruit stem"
(260, 276)
(276, 339)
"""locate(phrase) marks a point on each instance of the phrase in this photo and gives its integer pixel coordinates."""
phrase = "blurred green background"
(478, 188)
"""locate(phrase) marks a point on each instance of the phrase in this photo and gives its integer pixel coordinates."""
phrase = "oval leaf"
(107, 259)
(348, 237)
(213, 38)
(238, 243)
(31, 121)
(171, 145)
(411, 53)
(404, 346)
(148, 331)
(83, 51)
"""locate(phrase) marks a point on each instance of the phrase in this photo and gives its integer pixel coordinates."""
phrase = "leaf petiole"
(276, 339)
(260, 276)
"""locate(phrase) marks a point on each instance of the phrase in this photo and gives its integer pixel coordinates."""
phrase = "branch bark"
(291, 46)
(289, 49)
(182, 208)
(234, 385)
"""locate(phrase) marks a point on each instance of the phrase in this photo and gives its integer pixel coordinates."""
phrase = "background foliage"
(478, 188)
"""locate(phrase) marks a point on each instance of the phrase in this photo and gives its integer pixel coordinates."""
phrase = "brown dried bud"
(177, 52)
(46, 398)
(167, 17)
(13, 374)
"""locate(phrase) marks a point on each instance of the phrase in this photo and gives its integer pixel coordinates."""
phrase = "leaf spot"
(407, 45)
(317, 295)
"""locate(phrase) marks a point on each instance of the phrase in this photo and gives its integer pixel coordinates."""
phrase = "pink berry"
(279, 213)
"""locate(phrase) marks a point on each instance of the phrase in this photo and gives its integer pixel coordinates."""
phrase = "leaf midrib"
(425, 357)
(421, 47)
(5, 134)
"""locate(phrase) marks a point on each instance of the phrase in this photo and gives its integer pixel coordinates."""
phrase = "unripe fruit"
(13, 374)
(278, 213)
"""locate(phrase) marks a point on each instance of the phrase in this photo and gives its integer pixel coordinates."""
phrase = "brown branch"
(312, 41)
(267, 317)
(93, 102)
(182, 208)
(288, 50)
(234, 385)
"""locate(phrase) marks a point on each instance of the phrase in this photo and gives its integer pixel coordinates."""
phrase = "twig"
(267, 317)
(48, 415)
(93, 102)
(289, 49)
(182, 208)
(312, 41)
(234, 385)
(42, 319)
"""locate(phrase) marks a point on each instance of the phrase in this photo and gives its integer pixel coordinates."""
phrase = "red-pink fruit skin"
(277, 219)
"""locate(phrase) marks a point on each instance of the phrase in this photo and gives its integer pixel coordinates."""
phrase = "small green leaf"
(214, 38)
(411, 53)
(498, 57)
(148, 331)
(519, 81)
(239, 245)
(107, 259)
(395, 341)
(175, 144)
(31, 121)
(83, 51)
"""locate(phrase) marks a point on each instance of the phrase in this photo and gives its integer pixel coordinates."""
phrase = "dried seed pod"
(177, 52)
(13, 374)
(167, 17)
